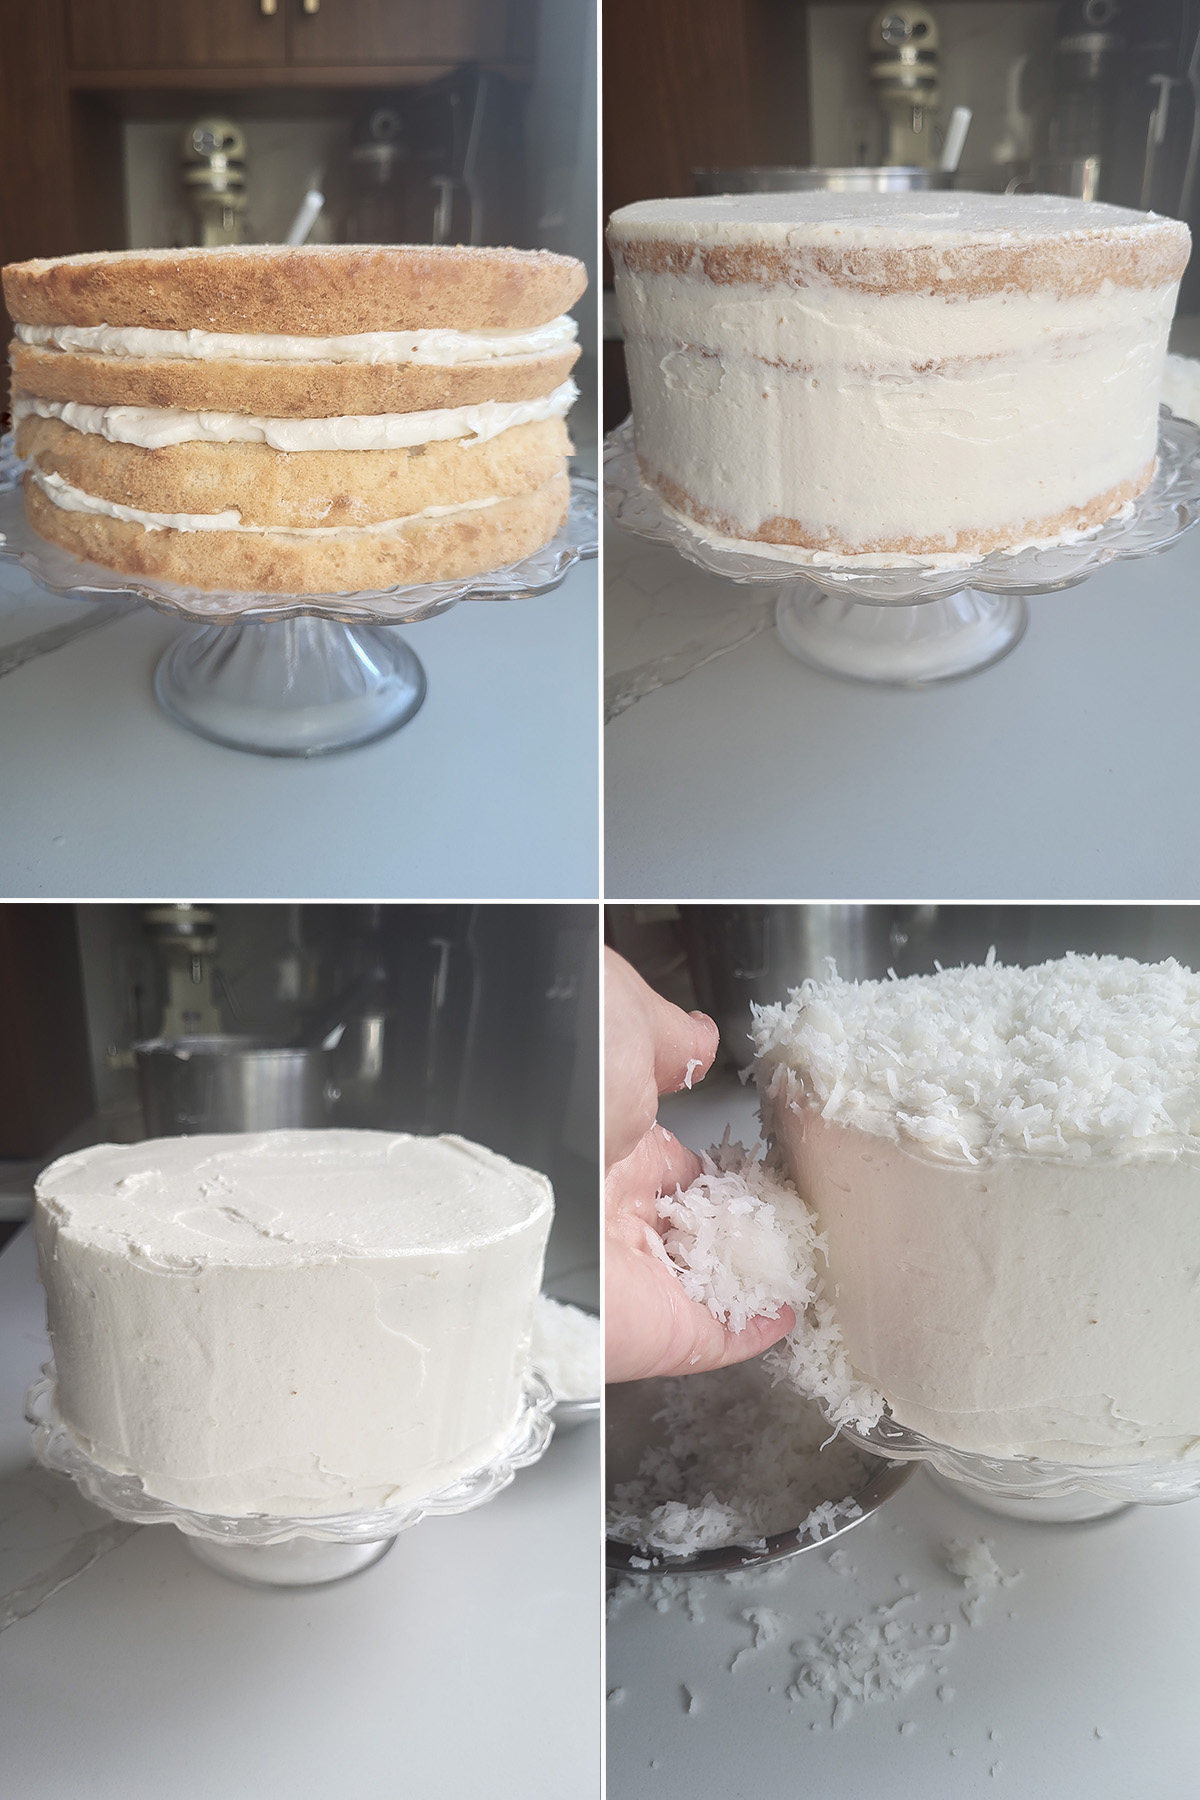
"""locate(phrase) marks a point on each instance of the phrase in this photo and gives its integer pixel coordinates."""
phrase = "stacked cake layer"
(294, 1323)
(895, 375)
(325, 419)
(1005, 1164)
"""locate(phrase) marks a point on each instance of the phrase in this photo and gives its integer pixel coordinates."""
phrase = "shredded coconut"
(766, 1626)
(978, 1571)
(567, 1348)
(1087, 1056)
(866, 1661)
(738, 1461)
(744, 1244)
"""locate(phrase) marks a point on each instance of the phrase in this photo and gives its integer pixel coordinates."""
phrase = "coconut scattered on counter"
(567, 1348)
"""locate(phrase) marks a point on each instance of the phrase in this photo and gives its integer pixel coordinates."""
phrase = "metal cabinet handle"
(268, 7)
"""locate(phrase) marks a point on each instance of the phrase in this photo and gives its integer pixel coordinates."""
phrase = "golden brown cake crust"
(318, 290)
(429, 550)
(319, 390)
(975, 542)
(300, 489)
(1153, 257)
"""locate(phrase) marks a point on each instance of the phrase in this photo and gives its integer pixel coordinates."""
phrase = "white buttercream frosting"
(439, 348)
(295, 1322)
(877, 421)
(1005, 1165)
(879, 221)
(73, 499)
(156, 427)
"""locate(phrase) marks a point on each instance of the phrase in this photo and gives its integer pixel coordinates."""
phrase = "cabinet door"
(176, 34)
(397, 31)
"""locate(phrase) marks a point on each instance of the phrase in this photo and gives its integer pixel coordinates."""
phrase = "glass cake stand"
(933, 620)
(1026, 1487)
(292, 674)
(266, 1551)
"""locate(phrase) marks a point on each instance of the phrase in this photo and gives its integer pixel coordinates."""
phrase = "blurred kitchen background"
(137, 123)
(723, 959)
(1098, 98)
(124, 1022)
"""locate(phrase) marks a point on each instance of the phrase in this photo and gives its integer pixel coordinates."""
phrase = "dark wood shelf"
(258, 76)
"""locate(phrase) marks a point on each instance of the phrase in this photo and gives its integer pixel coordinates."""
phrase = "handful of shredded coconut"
(744, 1244)
(1086, 1056)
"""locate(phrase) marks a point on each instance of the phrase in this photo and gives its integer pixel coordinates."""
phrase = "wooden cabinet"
(72, 71)
(343, 31)
(202, 35)
(172, 34)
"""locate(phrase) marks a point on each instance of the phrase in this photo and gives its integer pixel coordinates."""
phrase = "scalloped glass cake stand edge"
(909, 627)
(1029, 1487)
(264, 1551)
(293, 675)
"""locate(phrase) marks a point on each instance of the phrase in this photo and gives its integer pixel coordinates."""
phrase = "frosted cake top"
(851, 219)
(279, 1197)
(1087, 1056)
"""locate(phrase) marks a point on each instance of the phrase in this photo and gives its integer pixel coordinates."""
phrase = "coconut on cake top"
(1002, 1170)
(326, 418)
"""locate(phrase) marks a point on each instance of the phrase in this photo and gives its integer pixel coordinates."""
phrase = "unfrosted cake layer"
(217, 552)
(297, 1323)
(253, 419)
(1005, 1166)
(313, 290)
(310, 389)
(875, 374)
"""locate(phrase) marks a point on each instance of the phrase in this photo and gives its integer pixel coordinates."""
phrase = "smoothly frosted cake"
(1005, 1165)
(291, 1322)
(895, 375)
(322, 419)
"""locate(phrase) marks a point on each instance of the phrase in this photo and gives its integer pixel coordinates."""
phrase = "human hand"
(651, 1327)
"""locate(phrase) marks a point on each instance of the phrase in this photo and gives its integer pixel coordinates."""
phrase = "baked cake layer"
(314, 488)
(316, 390)
(329, 560)
(312, 289)
(977, 542)
(895, 375)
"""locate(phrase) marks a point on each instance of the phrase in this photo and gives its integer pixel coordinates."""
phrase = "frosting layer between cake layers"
(865, 374)
(1006, 1169)
(296, 1323)
(181, 361)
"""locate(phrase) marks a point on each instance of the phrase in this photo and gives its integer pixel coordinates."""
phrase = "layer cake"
(895, 375)
(322, 419)
(292, 1322)
(1005, 1165)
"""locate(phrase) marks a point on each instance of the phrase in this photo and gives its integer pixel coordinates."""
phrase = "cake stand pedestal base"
(297, 1562)
(1076, 1508)
(904, 646)
(290, 687)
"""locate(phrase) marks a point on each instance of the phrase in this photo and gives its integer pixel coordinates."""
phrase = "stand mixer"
(213, 157)
(903, 42)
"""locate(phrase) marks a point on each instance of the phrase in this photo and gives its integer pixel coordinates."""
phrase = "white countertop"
(490, 791)
(1079, 1680)
(465, 1664)
(1061, 773)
